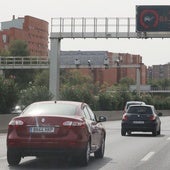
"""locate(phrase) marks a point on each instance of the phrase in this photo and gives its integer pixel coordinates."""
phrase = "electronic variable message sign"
(153, 18)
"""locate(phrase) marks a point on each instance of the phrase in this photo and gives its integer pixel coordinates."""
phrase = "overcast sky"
(153, 51)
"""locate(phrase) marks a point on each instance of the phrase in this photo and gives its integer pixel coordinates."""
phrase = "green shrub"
(8, 94)
(34, 94)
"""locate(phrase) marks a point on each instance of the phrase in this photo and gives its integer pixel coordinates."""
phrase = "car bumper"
(146, 127)
(48, 152)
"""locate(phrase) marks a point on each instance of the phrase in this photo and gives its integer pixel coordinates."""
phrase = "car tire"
(154, 132)
(85, 155)
(13, 158)
(129, 133)
(100, 152)
(123, 132)
(159, 131)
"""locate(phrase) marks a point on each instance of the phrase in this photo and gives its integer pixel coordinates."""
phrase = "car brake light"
(152, 117)
(73, 123)
(125, 117)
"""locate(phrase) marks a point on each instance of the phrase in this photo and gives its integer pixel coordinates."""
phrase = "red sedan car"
(56, 128)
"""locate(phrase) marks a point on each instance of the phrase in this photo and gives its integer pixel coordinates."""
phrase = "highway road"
(140, 151)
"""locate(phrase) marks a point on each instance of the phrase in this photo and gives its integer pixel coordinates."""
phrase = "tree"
(8, 93)
(34, 94)
(18, 48)
(78, 87)
(127, 81)
(42, 78)
(4, 52)
(22, 77)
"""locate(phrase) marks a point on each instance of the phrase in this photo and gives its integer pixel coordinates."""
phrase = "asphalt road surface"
(140, 151)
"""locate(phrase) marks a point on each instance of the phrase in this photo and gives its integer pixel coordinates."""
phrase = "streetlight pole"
(138, 81)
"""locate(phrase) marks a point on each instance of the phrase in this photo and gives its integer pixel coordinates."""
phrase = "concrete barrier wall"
(117, 115)
(4, 120)
(110, 115)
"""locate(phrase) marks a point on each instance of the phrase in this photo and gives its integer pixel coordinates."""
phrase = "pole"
(54, 81)
(138, 81)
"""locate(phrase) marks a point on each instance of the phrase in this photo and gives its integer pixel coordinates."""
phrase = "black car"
(129, 103)
(142, 118)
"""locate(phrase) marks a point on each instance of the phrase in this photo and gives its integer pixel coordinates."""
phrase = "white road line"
(2, 158)
(168, 138)
(148, 156)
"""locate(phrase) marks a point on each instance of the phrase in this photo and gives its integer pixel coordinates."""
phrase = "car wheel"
(85, 155)
(154, 132)
(100, 152)
(123, 132)
(129, 133)
(159, 131)
(13, 158)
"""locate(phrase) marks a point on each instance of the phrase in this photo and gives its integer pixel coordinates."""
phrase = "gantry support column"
(55, 67)
(138, 81)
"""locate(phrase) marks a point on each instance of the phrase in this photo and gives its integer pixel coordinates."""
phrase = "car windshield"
(50, 109)
(140, 110)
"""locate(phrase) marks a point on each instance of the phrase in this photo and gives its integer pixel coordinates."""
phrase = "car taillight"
(74, 124)
(152, 117)
(125, 117)
(16, 122)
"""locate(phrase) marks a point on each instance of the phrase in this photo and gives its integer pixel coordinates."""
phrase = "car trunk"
(46, 127)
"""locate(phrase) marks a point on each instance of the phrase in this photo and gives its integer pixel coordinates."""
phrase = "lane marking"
(148, 156)
(2, 158)
(168, 138)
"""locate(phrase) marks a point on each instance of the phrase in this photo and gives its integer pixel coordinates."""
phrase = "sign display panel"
(152, 18)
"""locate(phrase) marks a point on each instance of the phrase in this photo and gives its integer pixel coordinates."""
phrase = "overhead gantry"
(91, 28)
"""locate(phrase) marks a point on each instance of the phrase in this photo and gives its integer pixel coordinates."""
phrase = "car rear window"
(140, 110)
(50, 109)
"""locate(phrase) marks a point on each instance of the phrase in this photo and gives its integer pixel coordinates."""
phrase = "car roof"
(134, 102)
(59, 101)
(146, 105)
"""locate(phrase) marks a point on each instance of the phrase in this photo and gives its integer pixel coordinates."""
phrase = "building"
(105, 66)
(32, 30)
(157, 72)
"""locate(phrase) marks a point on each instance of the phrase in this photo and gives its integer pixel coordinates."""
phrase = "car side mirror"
(160, 114)
(102, 119)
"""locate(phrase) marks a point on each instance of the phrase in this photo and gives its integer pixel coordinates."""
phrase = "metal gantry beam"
(124, 27)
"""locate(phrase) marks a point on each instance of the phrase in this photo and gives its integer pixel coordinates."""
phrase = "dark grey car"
(142, 118)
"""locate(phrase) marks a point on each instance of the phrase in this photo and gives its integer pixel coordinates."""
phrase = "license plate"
(42, 129)
(138, 122)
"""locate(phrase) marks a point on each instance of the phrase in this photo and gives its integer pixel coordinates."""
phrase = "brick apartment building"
(32, 30)
(110, 75)
(157, 72)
